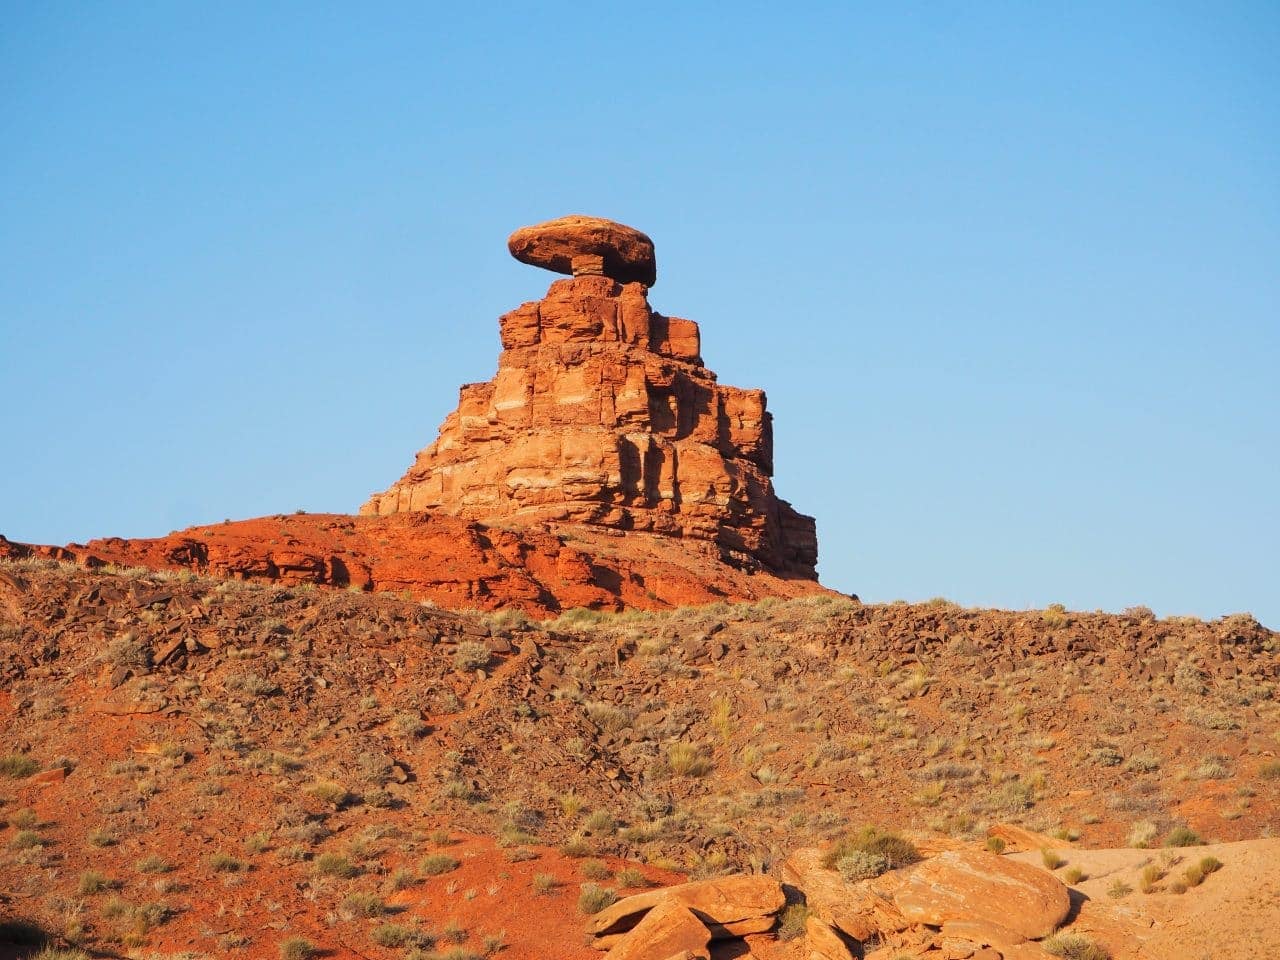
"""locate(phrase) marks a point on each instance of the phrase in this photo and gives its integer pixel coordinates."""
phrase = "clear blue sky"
(1010, 273)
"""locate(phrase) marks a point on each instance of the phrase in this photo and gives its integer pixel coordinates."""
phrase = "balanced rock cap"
(582, 246)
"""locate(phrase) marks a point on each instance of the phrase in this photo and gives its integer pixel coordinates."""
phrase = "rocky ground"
(198, 767)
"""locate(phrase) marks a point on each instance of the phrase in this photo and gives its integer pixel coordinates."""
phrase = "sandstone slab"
(669, 928)
(729, 906)
(976, 886)
(580, 245)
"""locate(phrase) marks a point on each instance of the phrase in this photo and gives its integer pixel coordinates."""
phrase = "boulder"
(728, 906)
(976, 886)
(669, 928)
(584, 246)
(861, 910)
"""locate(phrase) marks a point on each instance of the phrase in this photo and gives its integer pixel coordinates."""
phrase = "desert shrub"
(1270, 770)
(995, 845)
(434, 864)
(101, 838)
(1051, 859)
(226, 863)
(335, 865)
(411, 725)
(1142, 833)
(1142, 763)
(398, 935)
(330, 792)
(1074, 875)
(252, 684)
(544, 883)
(860, 865)
(1119, 889)
(791, 923)
(16, 766)
(25, 818)
(607, 717)
(1183, 837)
(126, 651)
(91, 882)
(365, 905)
(894, 849)
(595, 898)
(631, 879)
(1073, 946)
(595, 870)
(471, 655)
(297, 948)
(686, 760)
(1105, 755)
(600, 822)
(1194, 875)
(1149, 877)
(26, 840)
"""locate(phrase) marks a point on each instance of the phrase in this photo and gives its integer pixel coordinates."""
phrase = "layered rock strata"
(603, 413)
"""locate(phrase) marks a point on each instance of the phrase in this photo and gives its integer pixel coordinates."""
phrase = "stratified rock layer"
(603, 413)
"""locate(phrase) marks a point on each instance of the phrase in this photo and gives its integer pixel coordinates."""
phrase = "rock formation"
(602, 412)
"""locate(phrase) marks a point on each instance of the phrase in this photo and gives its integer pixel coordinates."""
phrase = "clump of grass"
(1073, 946)
(102, 838)
(365, 905)
(686, 760)
(632, 879)
(434, 864)
(995, 845)
(792, 922)
(411, 724)
(1150, 876)
(16, 766)
(1142, 833)
(1269, 770)
(398, 935)
(1194, 875)
(1074, 875)
(226, 863)
(601, 823)
(595, 898)
(595, 870)
(894, 849)
(544, 883)
(1052, 859)
(153, 864)
(335, 865)
(330, 792)
(471, 655)
(92, 881)
(26, 840)
(1119, 889)
(297, 948)
(1183, 837)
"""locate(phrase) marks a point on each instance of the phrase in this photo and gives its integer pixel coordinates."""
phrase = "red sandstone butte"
(602, 466)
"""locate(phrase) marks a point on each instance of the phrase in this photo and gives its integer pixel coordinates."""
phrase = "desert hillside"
(210, 767)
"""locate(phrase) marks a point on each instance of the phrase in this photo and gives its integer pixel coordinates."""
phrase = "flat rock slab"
(579, 245)
(731, 906)
(973, 885)
(669, 928)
